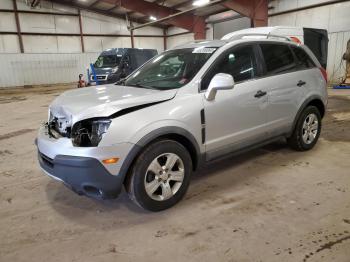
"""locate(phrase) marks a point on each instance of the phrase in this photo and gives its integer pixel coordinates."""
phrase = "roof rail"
(247, 35)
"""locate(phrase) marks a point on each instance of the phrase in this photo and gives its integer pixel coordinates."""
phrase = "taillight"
(295, 39)
(324, 73)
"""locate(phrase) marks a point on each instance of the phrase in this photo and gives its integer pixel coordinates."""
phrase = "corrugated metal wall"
(36, 69)
(58, 59)
(333, 17)
(176, 40)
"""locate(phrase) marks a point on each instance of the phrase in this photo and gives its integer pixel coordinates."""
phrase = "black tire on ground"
(135, 181)
(296, 140)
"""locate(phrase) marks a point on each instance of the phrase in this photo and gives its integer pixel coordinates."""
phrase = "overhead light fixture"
(153, 18)
(200, 2)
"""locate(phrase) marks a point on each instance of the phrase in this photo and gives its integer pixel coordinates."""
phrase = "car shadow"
(93, 212)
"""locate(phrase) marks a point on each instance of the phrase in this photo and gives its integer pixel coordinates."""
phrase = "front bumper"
(81, 168)
(84, 175)
(105, 79)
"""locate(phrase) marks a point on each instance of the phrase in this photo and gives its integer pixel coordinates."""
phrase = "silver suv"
(182, 109)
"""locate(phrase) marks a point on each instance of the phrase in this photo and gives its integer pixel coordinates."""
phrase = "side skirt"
(230, 150)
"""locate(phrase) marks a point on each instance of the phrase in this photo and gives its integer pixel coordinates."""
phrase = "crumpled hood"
(103, 101)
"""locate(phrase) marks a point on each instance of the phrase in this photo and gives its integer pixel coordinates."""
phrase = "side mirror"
(220, 81)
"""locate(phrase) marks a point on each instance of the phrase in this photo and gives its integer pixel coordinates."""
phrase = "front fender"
(150, 136)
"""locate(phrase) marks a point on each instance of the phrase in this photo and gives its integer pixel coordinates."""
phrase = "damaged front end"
(89, 132)
(85, 133)
(58, 126)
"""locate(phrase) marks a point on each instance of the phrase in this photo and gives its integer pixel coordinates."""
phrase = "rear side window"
(303, 59)
(278, 58)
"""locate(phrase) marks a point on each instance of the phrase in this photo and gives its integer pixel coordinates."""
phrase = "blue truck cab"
(116, 63)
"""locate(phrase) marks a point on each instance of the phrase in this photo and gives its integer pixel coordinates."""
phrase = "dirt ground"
(272, 204)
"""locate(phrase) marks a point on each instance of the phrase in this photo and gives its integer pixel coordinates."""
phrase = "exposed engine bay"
(84, 133)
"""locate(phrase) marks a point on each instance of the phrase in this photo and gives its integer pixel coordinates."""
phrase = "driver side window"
(239, 62)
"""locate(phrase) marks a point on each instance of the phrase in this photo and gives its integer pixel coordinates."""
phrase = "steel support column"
(81, 33)
(18, 26)
(199, 28)
(132, 38)
(164, 38)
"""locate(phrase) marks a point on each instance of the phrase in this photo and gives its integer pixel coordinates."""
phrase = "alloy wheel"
(310, 128)
(164, 176)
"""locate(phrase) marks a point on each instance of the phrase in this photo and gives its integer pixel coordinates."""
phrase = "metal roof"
(113, 8)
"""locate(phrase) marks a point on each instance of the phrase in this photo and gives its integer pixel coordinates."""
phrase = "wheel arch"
(319, 104)
(311, 101)
(175, 133)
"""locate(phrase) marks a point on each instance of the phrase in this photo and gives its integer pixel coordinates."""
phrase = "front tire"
(160, 176)
(307, 130)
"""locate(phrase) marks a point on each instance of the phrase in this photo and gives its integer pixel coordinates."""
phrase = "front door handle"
(260, 94)
(301, 83)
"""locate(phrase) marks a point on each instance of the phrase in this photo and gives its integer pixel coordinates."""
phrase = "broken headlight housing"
(88, 133)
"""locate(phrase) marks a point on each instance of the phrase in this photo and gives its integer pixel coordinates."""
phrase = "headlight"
(89, 132)
(114, 70)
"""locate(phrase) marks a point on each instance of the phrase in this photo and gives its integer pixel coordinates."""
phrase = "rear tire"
(307, 130)
(160, 176)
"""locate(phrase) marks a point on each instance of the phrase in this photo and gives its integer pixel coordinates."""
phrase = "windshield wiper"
(121, 82)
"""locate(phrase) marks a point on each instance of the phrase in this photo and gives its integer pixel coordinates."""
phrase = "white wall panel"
(40, 44)
(150, 42)
(108, 26)
(67, 24)
(339, 17)
(98, 44)
(148, 30)
(90, 24)
(69, 44)
(114, 42)
(173, 41)
(302, 3)
(225, 27)
(176, 30)
(37, 23)
(283, 19)
(313, 18)
(36, 69)
(7, 22)
(92, 44)
(179, 39)
(6, 4)
(99, 24)
(9, 44)
(126, 42)
(285, 5)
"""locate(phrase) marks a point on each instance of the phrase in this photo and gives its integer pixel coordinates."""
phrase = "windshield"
(171, 69)
(107, 61)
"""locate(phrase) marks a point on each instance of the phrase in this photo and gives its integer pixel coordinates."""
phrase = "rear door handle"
(301, 83)
(260, 94)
